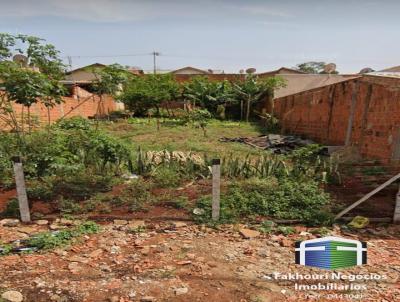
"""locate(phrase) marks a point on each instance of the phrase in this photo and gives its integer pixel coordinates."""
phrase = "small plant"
(12, 209)
(136, 195)
(5, 249)
(137, 230)
(199, 118)
(321, 231)
(75, 123)
(68, 206)
(50, 240)
(267, 226)
(181, 202)
(285, 230)
(166, 176)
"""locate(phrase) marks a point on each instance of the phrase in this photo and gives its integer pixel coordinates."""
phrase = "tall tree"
(36, 80)
(149, 91)
(208, 94)
(110, 80)
(313, 67)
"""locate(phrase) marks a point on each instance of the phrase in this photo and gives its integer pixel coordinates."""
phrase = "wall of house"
(323, 114)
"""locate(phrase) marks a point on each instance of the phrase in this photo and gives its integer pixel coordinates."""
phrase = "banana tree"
(252, 89)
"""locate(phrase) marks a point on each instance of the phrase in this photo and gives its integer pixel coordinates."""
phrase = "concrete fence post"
(216, 187)
(21, 190)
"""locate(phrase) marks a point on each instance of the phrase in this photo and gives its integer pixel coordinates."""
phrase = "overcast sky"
(218, 34)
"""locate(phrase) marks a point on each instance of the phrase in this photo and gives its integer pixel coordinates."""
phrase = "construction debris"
(279, 144)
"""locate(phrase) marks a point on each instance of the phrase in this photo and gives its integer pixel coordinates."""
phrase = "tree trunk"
(29, 119)
(248, 110)
(48, 116)
(241, 110)
(22, 120)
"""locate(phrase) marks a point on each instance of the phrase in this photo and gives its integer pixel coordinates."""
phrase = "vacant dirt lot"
(178, 261)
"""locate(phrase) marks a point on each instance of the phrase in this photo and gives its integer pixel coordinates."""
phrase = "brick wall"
(323, 114)
(80, 103)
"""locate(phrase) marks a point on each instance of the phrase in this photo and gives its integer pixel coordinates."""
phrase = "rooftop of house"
(296, 83)
(391, 69)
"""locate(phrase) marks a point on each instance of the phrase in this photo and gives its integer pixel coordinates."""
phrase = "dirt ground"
(179, 261)
(173, 259)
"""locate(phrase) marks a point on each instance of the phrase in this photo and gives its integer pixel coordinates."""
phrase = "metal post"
(21, 190)
(216, 185)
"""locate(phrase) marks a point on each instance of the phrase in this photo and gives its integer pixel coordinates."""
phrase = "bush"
(68, 206)
(286, 199)
(76, 123)
(136, 195)
(81, 186)
(12, 209)
(66, 148)
(166, 176)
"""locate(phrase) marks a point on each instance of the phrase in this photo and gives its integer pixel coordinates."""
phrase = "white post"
(216, 184)
(21, 190)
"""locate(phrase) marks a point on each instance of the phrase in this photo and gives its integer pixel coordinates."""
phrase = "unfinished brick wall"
(323, 114)
(81, 103)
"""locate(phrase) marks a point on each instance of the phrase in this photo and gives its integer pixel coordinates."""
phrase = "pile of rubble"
(279, 144)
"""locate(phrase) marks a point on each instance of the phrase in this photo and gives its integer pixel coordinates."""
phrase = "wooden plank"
(367, 196)
(216, 185)
(21, 190)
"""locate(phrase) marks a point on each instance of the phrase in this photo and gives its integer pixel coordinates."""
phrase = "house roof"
(391, 69)
(192, 69)
(296, 83)
(85, 67)
(386, 74)
(282, 70)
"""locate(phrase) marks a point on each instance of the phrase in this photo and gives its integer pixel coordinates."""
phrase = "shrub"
(286, 199)
(68, 206)
(166, 176)
(81, 186)
(12, 209)
(136, 195)
(76, 123)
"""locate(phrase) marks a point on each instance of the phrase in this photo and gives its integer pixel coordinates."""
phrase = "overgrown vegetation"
(276, 198)
(55, 239)
(74, 162)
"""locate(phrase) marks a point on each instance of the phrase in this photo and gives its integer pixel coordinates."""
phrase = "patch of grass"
(51, 240)
(187, 138)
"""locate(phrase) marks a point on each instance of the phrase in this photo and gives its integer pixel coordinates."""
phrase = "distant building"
(282, 70)
(191, 71)
(83, 74)
(86, 74)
